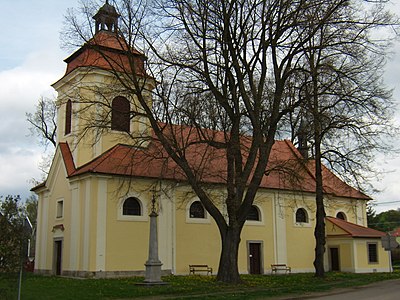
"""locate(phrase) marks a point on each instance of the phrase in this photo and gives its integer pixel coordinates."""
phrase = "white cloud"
(20, 89)
(18, 167)
(389, 186)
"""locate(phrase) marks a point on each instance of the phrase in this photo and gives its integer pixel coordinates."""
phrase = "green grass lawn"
(180, 287)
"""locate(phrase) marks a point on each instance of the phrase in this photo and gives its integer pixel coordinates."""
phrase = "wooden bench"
(280, 267)
(200, 268)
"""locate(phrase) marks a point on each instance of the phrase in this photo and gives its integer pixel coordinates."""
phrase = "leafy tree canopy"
(385, 221)
(13, 233)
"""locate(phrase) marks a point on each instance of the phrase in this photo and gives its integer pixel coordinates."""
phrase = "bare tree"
(43, 121)
(223, 71)
(43, 125)
(347, 108)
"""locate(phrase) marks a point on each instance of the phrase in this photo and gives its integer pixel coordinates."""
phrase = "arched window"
(254, 214)
(341, 215)
(301, 216)
(131, 207)
(120, 114)
(196, 210)
(68, 117)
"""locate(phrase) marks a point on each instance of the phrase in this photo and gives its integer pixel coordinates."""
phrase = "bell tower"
(97, 107)
(106, 18)
(302, 140)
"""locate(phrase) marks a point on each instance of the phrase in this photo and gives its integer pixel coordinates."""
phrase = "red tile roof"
(285, 170)
(106, 51)
(395, 232)
(333, 184)
(354, 230)
(67, 157)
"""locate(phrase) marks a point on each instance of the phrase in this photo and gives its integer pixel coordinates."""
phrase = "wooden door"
(57, 257)
(255, 258)
(335, 265)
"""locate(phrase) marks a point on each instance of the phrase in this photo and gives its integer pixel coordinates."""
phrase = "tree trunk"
(228, 271)
(319, 231)
(319, 234)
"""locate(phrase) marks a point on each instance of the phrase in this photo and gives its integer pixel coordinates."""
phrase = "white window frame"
(261, 215)
(377, 253)
(60, 214)
(205, 220)
(302, 224)
(132, 218)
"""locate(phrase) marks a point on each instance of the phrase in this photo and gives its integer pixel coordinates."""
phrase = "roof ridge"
(70, 169)
(98, 159)
(106, 163)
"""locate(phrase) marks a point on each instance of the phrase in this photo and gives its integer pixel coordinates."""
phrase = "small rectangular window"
(372, 252)
(60, 209)
(68, 117)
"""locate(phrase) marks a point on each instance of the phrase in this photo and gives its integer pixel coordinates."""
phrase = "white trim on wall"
(86, 225)
(360, 213)
(166, 228)
(43, 236)
(354, 256)
(280, 254)
(75, 227)
(101, 225)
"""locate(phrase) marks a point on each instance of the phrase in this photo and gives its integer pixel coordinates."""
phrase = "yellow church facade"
(93, 208)
(83, 230)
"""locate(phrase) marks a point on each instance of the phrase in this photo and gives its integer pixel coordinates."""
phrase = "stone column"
(153, 264)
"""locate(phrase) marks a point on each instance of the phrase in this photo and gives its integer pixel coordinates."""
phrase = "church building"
(93, 214)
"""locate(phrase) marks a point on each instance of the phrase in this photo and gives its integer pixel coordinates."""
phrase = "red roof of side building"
(395, 232)
(285, 170)
(354, 230)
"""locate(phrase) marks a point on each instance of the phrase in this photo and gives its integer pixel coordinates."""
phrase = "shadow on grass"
(9, 286)
(180, 287)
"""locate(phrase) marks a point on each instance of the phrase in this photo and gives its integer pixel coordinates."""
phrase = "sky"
(31, 59)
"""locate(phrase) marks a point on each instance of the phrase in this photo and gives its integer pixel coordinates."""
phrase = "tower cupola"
(106, 18)
(302, 139)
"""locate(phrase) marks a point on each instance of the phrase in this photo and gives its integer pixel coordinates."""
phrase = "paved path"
(384, 290)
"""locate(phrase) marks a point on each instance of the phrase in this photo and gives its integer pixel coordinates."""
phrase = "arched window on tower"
(68, 117)
(120, 120)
